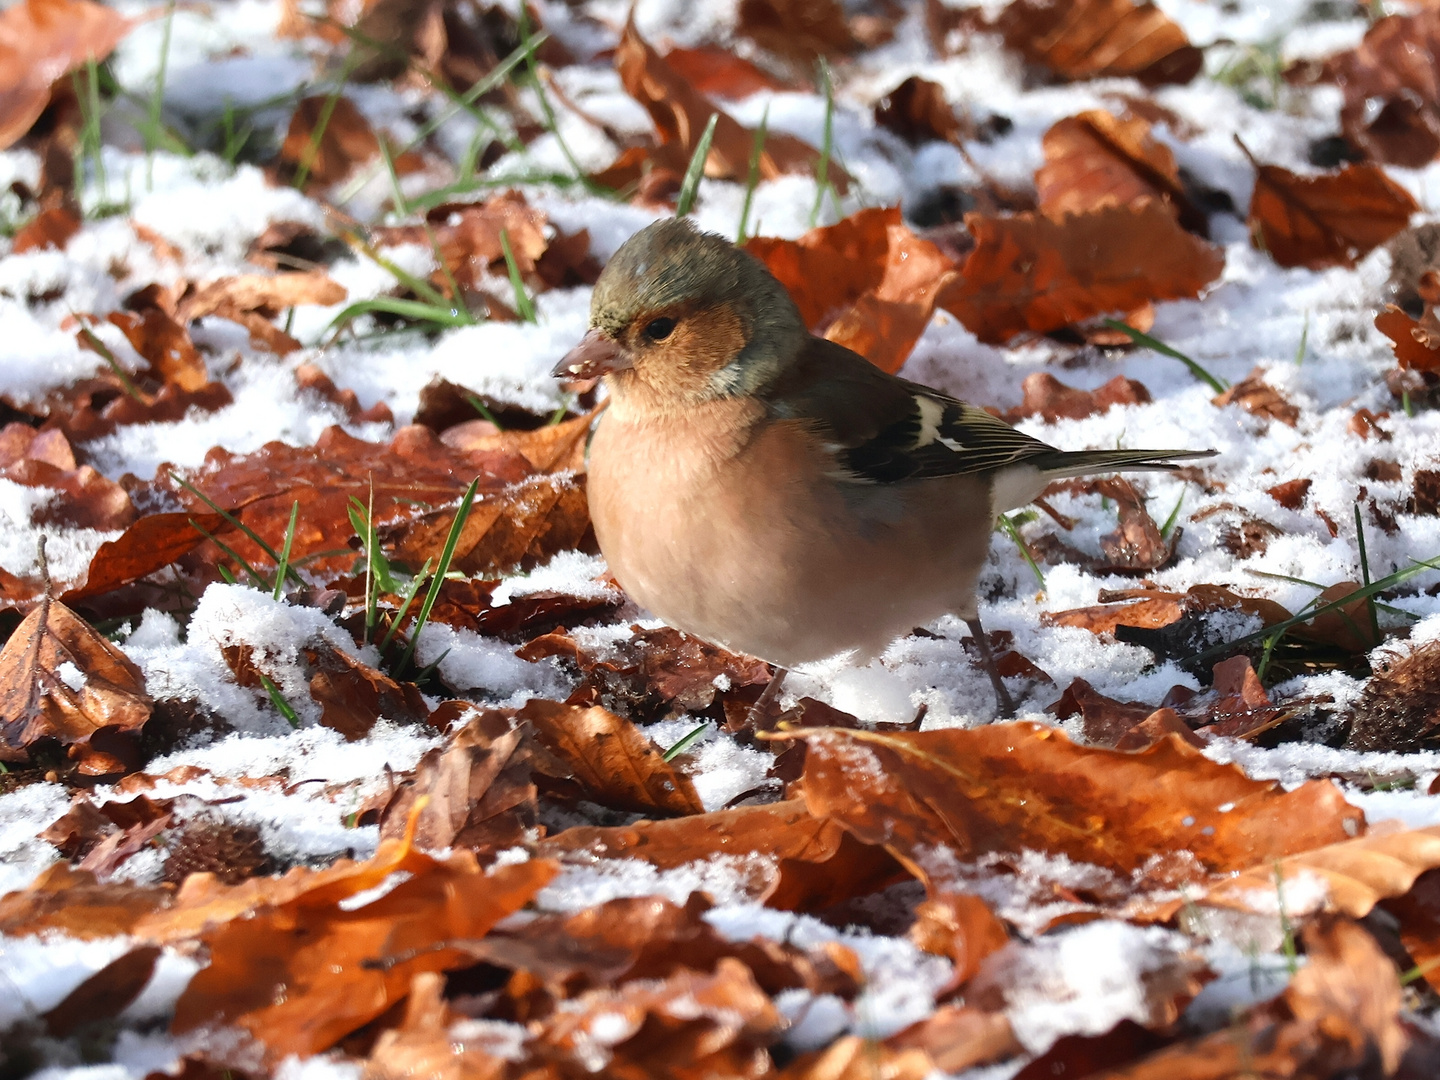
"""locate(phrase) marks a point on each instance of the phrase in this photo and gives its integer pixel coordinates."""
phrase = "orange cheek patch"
(700, 345)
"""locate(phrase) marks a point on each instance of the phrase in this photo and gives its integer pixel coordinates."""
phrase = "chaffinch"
(776, 493)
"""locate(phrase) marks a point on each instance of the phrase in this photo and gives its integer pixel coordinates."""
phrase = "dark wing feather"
(885, 429)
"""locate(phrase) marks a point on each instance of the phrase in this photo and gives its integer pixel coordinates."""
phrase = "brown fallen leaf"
(164, 344)
(1008, 788)
(327, 139)
(1357, 874)
(960, 926)
(613, 762)
(1096, 159)
(1340, 1015)
(1158, 608)
(52, 227)
(917, 111)
(60, 679)
(715, 71)
(787, 858)
(468, 236)
(867, 282)
(83, 498)
(426, 1042)
(688, 1025)
(151, 544)
(1100, 38)
(71, 902)
(42, 41)
(105, 994)
(1050, 399)
(1391, 110)
(352, 695)
(952, 1040)
(680, 114)
(1328, 220)
(299, 964)
(1259, 398)
(475, 792)
(1292, 493)
(798, 31)
(1031, 273)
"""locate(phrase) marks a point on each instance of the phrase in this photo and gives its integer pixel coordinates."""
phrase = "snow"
(300, 788)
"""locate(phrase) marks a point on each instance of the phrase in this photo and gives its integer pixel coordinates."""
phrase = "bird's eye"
(658, 329)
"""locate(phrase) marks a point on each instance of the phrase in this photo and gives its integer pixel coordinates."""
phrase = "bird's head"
(682, 317)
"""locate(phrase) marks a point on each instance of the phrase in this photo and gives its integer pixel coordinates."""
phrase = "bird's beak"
(597, 354)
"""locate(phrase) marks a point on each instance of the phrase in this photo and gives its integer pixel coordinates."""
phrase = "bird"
(775, 493)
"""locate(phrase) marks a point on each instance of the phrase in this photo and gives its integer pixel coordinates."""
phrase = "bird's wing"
(884, 429)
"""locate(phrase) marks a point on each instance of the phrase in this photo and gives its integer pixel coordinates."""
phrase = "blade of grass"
(1156, 345)
(278, 700)
(412, 310)
(89, 144)
(752, 179)
(685, 742)
(1008, 527)
(524, 306)
(237, 523)
(284, 565)
(484, 410)
(822, 167)
(1304, 340)
(157, 97)
(1174, 514)
(1363, 593)
(131, 390)
(254, 575)
(411, 591)
(696, 169)
(447, 553)
(1365, 574)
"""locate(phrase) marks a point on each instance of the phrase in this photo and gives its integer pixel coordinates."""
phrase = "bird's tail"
(1063, 463)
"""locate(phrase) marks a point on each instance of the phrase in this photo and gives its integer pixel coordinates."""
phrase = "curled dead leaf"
(1099, 38)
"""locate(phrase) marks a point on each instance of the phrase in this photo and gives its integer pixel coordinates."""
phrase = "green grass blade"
(1008, 527)
(278, 700)
(284, 565)
(131, 390)
(686, 741)
(696, 169)
(1365, 575)
(254, 575)
(524, 306)
(411, 591)
(1156, 345)
(827, 144)
(237, 523)
(447, 553)
(752, 179)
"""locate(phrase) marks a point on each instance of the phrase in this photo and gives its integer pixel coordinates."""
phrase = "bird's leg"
(766, 699)
(987, 660)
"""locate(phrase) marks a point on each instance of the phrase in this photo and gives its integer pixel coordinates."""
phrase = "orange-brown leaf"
(42, 40)
(1031, 273)
(1009, 788)
(1050, 399)
(1328, 220)
(1391, 111)
(1416, 346)
(611, 759)
(327, 154)
(303, 960)
(800, 31)
(680, 114)
(50, 228)
(60, 679)
(1096, 159)
(1092, 39)
(867, 282)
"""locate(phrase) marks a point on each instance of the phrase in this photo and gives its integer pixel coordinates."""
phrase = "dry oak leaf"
(164, 343)
(613, 762)
(783, 856)
(1092, 39)
(918, 112)
(71, 902)
(1050, 399)
(1157, 608)
(469, 237)
(867, 282)
(1328, 220)
(1009, 788)
(427, 1043)
(800, 31)
(1416, 343)
(42, 41)
(301, 961)
(254, 300)
(1097, 159)
(52, 227)
(477, 791)
(1340, 1016)
(688, 1025)
(1259, 398)
(680, 114)
(84, 498)
(1391, 82)
(150, 544)
(327, 138)
(1357, 874)
(60, 679)
(1031, 273)
(952, 1040)
(960, 926)
(717, 72)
